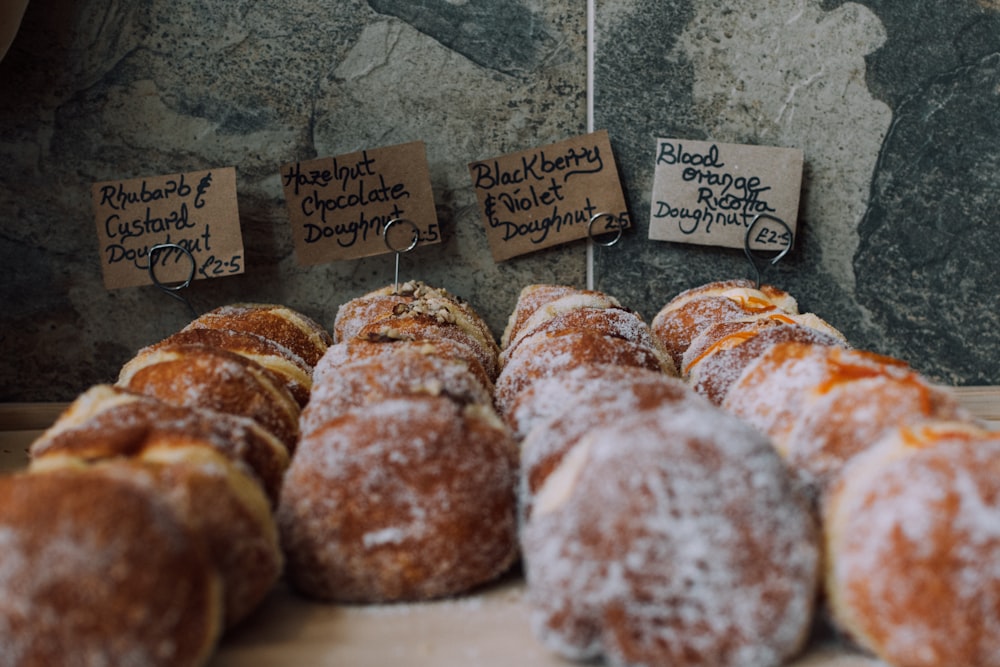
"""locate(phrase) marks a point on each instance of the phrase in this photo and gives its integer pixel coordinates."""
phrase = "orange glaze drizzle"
(781, 318)
(753, 303)
(725, 343)
(842, 372)
(919, 437)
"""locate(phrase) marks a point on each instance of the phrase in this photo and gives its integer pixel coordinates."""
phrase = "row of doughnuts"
(904, 482)
(402, 486)
(144, 526)
(655, 528)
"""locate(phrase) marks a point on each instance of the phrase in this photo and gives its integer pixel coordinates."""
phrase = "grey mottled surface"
(895, 106)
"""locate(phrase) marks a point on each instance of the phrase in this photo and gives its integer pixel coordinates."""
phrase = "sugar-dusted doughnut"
(718, 355)
(683, 317)
(673, 537)
(110, 422)
(538, 302)
(98, 570)
(588, 397)
(206, 376)
(357, 349)
(222, 507)
(357, 313)
(912, 544)
(836, 403)
(612, 321)
(288, 327)
(400, 500)
(409, 370)
(292, 369)
(544, 355)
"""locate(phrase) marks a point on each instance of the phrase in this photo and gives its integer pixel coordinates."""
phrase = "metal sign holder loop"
(614, 224)
(756, 259)
(399, 251)
(173, 291)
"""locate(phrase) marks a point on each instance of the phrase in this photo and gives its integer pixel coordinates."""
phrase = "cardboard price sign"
(197, 211)
(339, 206)
(709, 193)
(547, 196)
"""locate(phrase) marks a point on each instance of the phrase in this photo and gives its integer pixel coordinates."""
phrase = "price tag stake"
(400, 249)
(767, 240)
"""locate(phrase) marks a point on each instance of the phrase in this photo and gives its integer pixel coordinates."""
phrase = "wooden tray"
(487, 628)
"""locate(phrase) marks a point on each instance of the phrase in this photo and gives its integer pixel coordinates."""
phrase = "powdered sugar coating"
(588, 398)
(545, 355)
(548, 310)
(550, 396)
(841, 419)
(203, 376)
(614, 322)
(718, 355)
(912, 544)
(110, 422)
(407, 371)
(400, 500)
(531, 298)
(99, 571)
(677, 541)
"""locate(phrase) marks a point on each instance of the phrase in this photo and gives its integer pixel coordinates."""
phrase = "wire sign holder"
(399, 251)
(615, 225)
(767, 240)
(172, 290)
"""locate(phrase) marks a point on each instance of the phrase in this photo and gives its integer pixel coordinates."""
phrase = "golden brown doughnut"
(682, 318)
(614, 322)
(400, 500)
(354, 315)
(544, 355)
(911, 544)
(673, 537)
(224, 509)
(111, 422)
(408, 371)
(536, 301)
(98, 570)
(358, 349)
(718, 355)
(423, 320)
(285, 326)
(204, 376)
(292, 369)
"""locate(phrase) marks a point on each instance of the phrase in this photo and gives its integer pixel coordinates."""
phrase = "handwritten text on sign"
(709, 193)
(339, 206)
(197, 211)
(546, 196)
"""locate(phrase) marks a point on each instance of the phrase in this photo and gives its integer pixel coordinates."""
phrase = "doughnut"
(354, 315)
(673, 537)
(357, 349)
(98, 570)
(718, 355)
(407, 371)
(290, 368)
(222, 507)
(550, 300)
(544, 355)
(614, 322)
(424, 320)
(589, 397)
(911, 546)
(404, 499)
(848, 413)
(285, 326)
(205, 376)
(677, 323)
(109, 422)
(832, 403)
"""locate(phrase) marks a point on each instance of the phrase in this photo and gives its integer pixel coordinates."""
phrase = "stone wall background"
(895, 108)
